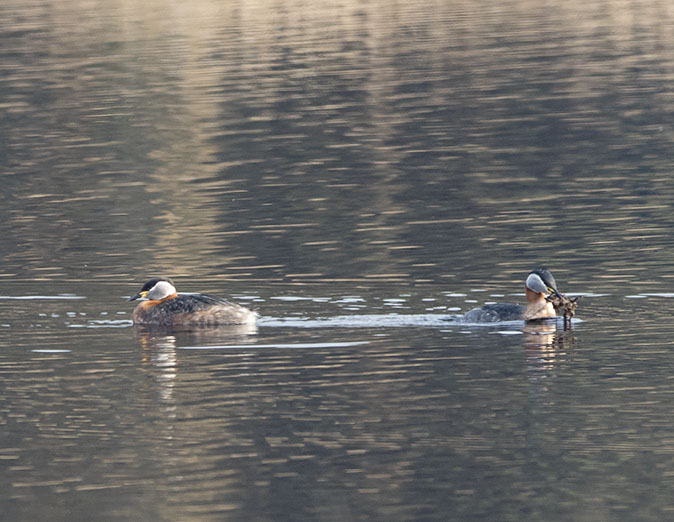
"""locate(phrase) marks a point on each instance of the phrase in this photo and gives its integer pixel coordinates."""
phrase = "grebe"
(538, 286)
(164, 306)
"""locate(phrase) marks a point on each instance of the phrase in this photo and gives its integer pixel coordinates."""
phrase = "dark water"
(356, 172)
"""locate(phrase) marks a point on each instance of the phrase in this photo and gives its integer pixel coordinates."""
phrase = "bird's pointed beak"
(139, 295)
(553, 291)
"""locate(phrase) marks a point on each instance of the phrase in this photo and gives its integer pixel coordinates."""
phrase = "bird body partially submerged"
(495, 312)
(163, 306)
(539, 284)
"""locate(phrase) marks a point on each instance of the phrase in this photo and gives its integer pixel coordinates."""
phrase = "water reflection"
(159, 355)
(351, 143)
(545, 346)
(159, 346)
(548, 337)
(387, 153)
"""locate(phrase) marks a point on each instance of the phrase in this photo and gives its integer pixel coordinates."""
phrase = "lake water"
(358, 172)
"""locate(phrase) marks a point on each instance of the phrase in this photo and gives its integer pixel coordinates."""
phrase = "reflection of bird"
(539, 285)
(162, 305)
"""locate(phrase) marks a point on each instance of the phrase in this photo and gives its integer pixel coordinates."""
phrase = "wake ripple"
(361, 321)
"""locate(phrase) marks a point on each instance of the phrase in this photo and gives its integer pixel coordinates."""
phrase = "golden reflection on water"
(220, 131)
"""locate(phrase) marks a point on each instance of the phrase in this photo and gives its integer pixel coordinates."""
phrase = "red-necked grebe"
(538, 286)
(163, 306)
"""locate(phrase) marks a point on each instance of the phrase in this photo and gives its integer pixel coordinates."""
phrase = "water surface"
(357, 172)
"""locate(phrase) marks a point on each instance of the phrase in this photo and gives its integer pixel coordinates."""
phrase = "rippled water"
(360, 173)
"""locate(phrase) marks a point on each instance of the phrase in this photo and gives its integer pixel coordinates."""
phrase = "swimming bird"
(163, 306)
(539, 285)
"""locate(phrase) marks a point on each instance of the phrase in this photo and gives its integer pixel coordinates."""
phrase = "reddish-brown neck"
(154, 302)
